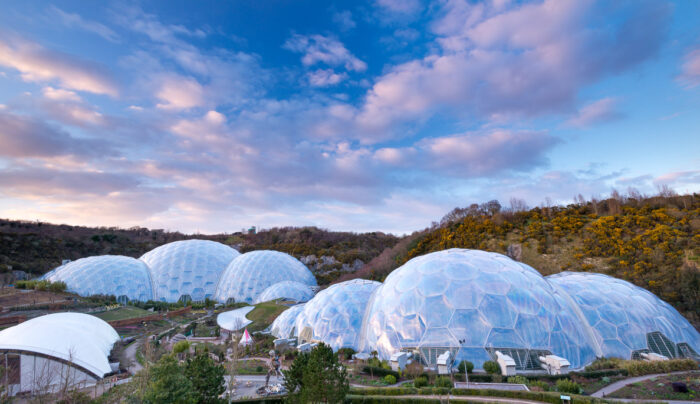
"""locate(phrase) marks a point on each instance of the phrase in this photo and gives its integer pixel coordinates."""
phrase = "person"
(273, 367)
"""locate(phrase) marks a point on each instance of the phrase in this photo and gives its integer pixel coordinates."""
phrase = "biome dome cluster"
(190, 270)
(474, 303)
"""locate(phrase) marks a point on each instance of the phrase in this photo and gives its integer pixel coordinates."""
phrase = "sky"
(214, 116)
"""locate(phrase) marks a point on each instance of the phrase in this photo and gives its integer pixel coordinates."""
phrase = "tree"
(317, 377)
(207, 378)
(168, 383)
(465, 367)
(492, 367)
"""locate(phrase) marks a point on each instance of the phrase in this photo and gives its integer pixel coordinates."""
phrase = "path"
(130, 353)
(605, 391)
(479, 399)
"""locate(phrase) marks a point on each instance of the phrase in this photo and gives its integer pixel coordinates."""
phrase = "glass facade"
(188, 269)
(124, 277)
(247, 276)
(622, 314)
(335, 315)
(470, 302)
(287, 290)
(284, 324)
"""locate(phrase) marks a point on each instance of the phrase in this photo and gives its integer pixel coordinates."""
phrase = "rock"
(515, 251)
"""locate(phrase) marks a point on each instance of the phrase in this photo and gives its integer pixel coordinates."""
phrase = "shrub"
(568, 386)
(377, 371)
(638, 368)
(517, 380)
(259, 369)
(536, 385)
(443, 381)
(465, 367)
(492, 367)
(390, 379)
(420, 381)
(413, 370)
(346, 353)
(604, 363)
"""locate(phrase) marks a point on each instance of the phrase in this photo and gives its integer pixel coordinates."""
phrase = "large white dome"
(123, 277)
(624, 316)
(334, 315)
(251, 273)
(77, 338)
(288, 290)
(472, 303)
(284, 324)
(187, 269)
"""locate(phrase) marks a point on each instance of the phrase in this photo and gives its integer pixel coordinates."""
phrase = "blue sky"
(362, 116)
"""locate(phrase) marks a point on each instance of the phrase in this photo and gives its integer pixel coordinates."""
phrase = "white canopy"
(82, 339)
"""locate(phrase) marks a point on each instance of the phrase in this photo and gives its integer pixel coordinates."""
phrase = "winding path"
(622, 383)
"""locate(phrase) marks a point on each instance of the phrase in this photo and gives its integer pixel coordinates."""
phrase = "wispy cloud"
(600, 111)
(38, 64)
(74, 20)
(324, 49)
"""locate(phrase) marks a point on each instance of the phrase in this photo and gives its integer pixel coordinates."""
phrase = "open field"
(123, 313)
(264, 314)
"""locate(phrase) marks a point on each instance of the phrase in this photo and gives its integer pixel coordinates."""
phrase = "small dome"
(188, 269)
(284, 324)
(124, 277)
(250, 274)
(334, 315)
(288, 290)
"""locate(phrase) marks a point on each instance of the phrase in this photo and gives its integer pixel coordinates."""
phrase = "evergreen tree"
(317, 377)
(169, 384)
(207, 378)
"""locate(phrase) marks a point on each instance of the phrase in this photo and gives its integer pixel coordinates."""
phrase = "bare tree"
(232, 365)
(518, 205)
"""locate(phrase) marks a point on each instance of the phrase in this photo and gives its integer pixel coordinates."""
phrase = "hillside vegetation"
(37, 247)
(651, 242)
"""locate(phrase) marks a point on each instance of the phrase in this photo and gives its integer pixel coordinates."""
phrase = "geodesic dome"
(334, 315)
(284, 324)
(247, 276)
(626, 318)
(123, 277)
(188, 269)
(288, 290)
(474, 303)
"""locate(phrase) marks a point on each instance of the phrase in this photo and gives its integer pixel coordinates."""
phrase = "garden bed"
(659, 388)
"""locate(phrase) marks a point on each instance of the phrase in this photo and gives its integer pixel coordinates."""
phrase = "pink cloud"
(324, 49)
(600, 111)
(38, 64)
(690, 70)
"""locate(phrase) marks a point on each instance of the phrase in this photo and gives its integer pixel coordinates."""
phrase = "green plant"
(568, 386)
(346, 353)
(443, 381)
(517, 380)
(465, 367)
(390, 379)
(259, 369)
(538, 385)
(491, 367)
(316, 376)
(207, 378)
(420, 381)
(181, 347)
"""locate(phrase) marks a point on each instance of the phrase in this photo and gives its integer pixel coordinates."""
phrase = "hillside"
(37, 247)
(651, 242)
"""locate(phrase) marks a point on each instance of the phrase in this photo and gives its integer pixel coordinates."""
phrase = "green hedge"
(638, 368)
(389, 400)
(546, 397)
(381, 372)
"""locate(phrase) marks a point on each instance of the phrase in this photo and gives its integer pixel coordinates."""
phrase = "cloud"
(28, 137)
(601, 111)
(526, 61)
(75, 20)
(324, 49)
(325, 77)
(690, 69)
(344, 20)
(177, 92)
(38, 64)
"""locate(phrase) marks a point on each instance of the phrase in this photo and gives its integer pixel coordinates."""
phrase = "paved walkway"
(478, 399)
(605, 391)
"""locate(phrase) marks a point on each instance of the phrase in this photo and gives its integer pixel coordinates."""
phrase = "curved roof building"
(82, 340)
(284, 324)
(626, 319)
(124, 277)
(188, 269)
(247, 276)
(288, 290)
(334, 315)
(474, 303)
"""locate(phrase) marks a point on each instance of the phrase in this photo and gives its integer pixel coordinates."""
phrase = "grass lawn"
(123, 313)
(659, 388)
(264, 314)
